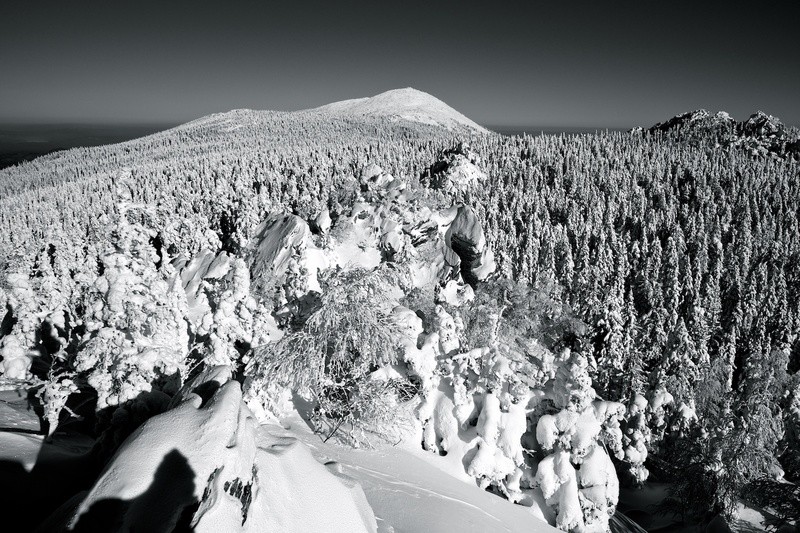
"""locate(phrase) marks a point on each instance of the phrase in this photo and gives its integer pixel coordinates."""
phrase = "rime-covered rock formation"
(403, 104)
(760, 124)
(761, 134)
(458, 171)
(465, 237)
(284, 255)
(697, 120)
(481, 404)
(436, 240)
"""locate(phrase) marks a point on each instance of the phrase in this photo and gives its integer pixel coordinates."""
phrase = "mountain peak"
(403, 104)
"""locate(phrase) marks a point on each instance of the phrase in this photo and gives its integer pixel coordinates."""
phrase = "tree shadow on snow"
(30, 496)
(167, 505)
(65, 469)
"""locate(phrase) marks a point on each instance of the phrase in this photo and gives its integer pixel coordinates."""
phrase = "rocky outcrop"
(457, 171)
(699, 119)
(761, 124)
(285, 257)
(761, 134)
(466, 239)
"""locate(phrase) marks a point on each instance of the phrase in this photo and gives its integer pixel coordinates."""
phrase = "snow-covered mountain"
(402, 104)
(402, 107)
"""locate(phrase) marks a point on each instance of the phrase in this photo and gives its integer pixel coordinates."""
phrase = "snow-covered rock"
(457, 171)
(205, 464)
(465, 238)
(285, 257)
(456, 294)
(323, 221)
(355, 241)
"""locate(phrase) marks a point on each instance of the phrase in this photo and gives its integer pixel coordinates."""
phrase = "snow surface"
(412, 491)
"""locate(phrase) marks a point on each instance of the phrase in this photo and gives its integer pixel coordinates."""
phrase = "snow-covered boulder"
(355, 240)
(379, 184)
(285, 258)
(205, 464)
(323, 221)
(466, 239)
(456, 294)
(457, 172)
(443, 246)
(374, 177)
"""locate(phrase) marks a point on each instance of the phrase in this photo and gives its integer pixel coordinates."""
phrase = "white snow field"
(412, 491)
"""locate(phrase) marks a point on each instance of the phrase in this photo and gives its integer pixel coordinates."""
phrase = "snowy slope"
(409, 494)
(403, 104)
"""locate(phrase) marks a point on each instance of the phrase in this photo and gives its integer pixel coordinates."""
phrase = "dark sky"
(557, 63)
